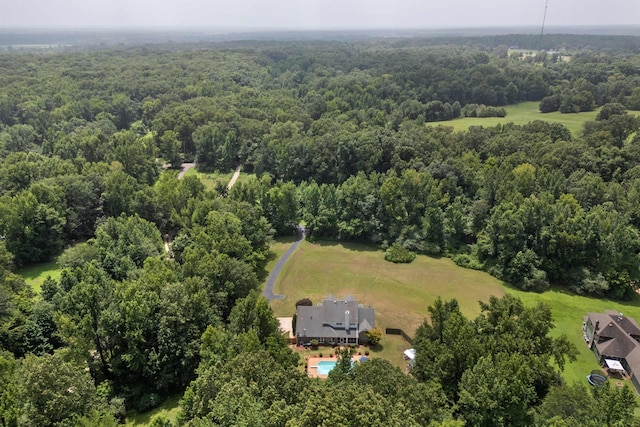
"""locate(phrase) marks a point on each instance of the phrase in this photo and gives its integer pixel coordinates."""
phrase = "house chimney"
(597, 325)
(346, 320)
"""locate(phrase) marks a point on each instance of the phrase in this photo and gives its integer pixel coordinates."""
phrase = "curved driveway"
(273, 276)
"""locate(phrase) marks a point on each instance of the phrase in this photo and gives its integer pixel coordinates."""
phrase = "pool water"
(325, 366)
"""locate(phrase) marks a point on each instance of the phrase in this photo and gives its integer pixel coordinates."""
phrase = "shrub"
(467, 261)
(488, 111)
(588, 282)
(470, 110)
(314, 343)
(304, 302)
(399, 254)
(523, 272)
(374, 335)
(79, 255)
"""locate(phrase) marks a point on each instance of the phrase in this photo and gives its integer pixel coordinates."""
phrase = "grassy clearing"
(401, 293)
(35, 275)
(210, 180)
(521, 114)
(169, 409)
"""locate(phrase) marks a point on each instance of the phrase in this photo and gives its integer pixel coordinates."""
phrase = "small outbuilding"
(410, 354)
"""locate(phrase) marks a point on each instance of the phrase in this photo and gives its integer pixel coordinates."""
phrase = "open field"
(521, 114)
(34, 275)
(401, 293)
(210, 180)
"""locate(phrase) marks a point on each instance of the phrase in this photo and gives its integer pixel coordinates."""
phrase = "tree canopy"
(159, 288)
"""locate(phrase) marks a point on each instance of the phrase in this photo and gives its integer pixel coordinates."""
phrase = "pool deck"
(312, 364)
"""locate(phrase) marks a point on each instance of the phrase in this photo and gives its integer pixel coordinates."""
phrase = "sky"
(314, 14)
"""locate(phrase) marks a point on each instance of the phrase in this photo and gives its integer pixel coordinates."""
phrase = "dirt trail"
(234, 178)
(185, 168)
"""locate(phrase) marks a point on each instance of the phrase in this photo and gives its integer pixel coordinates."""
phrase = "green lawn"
(279, 247)
(34, 275)
(568, 311)
(169, 409)
(521, 114)
(401, 293)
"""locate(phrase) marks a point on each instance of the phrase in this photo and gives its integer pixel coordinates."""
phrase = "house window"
(321, 340)
(352, 340)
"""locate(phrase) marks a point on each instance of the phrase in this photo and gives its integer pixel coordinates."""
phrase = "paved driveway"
(271, 280)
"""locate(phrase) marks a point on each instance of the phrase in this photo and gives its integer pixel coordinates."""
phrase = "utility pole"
(544, 18)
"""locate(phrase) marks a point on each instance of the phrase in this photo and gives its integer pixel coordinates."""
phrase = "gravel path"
(271, 280)
(234, 178)
(185, 168)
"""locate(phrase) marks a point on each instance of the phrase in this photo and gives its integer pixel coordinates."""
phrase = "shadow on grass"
(633, 302)
(377, 349)
(352, 246)
(285, 239)
(168, 409)
(34, 271)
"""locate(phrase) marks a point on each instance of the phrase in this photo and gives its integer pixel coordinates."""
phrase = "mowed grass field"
(35, 275)
(521, 114)
(401, 293)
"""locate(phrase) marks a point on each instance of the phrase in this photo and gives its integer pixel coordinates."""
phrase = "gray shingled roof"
(334, 310)
(327, 319)
(619, 332)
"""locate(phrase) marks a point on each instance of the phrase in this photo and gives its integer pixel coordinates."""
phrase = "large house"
(334, 321)
(615, 340)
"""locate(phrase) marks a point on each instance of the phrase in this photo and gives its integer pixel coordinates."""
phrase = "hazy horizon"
(290, 15)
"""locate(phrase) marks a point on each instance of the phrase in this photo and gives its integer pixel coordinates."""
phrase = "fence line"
(395, 331)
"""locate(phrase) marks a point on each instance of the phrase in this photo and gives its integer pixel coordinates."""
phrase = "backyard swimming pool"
(325, 366)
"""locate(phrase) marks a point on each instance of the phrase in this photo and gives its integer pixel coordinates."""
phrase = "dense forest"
(352, 139)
